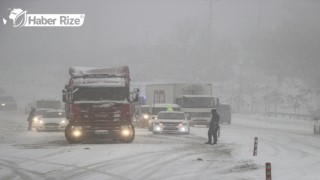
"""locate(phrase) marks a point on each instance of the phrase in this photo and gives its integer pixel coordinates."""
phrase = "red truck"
(98, 104)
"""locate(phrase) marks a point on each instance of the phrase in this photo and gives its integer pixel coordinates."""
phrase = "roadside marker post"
(255, 153)
(268, 171)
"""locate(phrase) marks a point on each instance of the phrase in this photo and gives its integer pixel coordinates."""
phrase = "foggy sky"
(122, 32)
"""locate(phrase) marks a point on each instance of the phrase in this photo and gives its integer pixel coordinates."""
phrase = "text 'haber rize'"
(63, 20)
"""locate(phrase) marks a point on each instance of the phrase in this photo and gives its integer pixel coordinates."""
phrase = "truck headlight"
(40, 122)
(125, 132)
(3, 104)
(63, 122)
(76, 133)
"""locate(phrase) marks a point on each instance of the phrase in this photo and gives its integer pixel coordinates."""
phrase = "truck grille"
(95, 117)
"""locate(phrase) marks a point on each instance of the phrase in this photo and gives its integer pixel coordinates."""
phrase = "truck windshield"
(101, 93)
(197, 102)
(44, 104)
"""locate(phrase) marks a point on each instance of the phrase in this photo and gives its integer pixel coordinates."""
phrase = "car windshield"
(144, 110)
(40, 112)
(48, 104)
(54, 115)
(156, 110)
(171, 116)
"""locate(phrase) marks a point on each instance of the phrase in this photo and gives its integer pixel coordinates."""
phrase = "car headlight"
(158, 128)
(40, 122)
(3, 104)
(63, 122)
(35, 119)
(146, 116)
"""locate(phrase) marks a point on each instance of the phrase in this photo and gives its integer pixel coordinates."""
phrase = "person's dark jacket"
(31, 115)
(215, 119)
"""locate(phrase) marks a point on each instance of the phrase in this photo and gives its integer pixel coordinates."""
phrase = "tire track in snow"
(18, 172)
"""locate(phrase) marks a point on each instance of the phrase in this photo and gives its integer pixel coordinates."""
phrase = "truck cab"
(98, 104)
(198, 108)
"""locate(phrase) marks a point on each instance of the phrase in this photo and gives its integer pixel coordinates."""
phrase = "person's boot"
(213, 143)
(208, 142)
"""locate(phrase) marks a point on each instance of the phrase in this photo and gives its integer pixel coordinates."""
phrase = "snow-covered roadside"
(273, 122)
(292, 150)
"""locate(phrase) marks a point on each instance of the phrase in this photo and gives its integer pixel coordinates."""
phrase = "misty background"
(261, 56)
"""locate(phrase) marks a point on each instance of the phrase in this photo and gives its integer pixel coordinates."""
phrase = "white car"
(156, 108)
(171, 122)
(54, 120)
(316, 127)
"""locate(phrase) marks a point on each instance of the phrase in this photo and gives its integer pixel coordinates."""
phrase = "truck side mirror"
(64, 95)
(188, 116)
(135, 95)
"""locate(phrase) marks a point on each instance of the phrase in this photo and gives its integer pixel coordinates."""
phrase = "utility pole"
(210, 23)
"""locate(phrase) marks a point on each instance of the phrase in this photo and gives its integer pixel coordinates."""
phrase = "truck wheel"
(131, 137)
(67, 134)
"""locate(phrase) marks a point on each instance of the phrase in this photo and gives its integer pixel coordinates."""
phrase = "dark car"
(8, 103)
(141, 115)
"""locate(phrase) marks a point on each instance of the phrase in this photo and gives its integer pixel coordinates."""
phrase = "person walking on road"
(30, 118)
(214, 127)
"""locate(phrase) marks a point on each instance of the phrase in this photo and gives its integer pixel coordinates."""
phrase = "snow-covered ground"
(288, 144)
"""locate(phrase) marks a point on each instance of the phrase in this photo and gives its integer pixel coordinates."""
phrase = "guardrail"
(290, 115)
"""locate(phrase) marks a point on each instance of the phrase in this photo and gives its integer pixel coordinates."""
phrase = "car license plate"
(101, 131)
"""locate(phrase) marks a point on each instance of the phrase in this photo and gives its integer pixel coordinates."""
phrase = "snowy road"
(289, 145)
